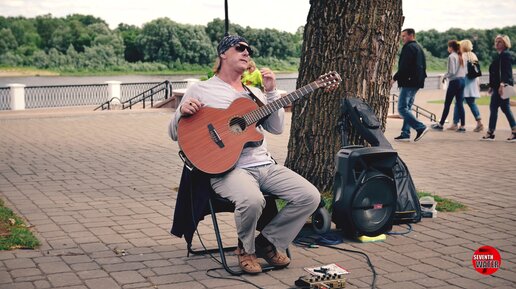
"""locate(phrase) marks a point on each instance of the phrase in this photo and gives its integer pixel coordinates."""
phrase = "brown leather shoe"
(272, 256)
(248, 262)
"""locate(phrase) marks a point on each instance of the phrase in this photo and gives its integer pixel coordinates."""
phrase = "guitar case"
(362, 117)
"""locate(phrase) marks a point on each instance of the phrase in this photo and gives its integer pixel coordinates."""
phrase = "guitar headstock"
(329, 81)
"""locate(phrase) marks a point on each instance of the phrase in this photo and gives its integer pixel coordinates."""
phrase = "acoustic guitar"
(212, 139)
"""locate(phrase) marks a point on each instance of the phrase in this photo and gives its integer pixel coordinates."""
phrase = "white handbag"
(508, 92)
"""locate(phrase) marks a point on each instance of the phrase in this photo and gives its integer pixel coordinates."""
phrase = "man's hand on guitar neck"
(190, 106)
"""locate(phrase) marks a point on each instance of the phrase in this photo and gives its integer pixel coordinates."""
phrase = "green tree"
(215, 30)
(358, 39)
(99, 57)
(130, 33)
(166, 41)
(7, 41)
(24, 31)
(40, 59)
(101, 35)
(61, 39)
(46, 26)
(197, 47)
(85, 20)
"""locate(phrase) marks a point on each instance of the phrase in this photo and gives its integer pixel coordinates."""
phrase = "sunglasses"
(240, 48)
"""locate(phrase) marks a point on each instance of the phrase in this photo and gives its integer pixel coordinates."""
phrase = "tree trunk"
(358, 39)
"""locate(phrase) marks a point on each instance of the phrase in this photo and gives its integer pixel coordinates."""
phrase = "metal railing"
(92, 94)
(64, 95)
(157, 91)
(286, 83)
(129, 90)
(161, 91)
(415, 108)
(178, 84)
(5, 98)
(107, 104)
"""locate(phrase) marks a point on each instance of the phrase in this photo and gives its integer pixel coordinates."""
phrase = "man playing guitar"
(255, 171)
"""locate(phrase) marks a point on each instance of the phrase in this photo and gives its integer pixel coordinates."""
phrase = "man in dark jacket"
(410, 77)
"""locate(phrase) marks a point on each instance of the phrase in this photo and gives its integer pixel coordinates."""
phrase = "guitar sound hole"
(237, 125)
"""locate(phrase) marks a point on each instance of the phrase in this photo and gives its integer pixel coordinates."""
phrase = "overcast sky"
(286, 15)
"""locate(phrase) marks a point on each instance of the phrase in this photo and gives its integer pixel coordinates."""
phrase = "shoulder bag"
(507, 90)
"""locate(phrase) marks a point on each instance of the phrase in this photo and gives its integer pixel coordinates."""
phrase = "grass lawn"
(483, 100)
(25, 71)
(443, 204)
(14, 234)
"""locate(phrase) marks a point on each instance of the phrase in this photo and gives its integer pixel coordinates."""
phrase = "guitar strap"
(254, 97)
(260, 104)
(258, 101)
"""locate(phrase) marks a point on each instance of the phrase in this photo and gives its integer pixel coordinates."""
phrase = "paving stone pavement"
(99, 190)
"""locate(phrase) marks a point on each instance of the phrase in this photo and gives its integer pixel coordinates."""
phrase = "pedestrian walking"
(500, 75)
(410, 77)
(455, 76)
(471, 88)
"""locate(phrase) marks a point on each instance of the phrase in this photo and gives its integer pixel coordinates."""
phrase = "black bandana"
(229, 41)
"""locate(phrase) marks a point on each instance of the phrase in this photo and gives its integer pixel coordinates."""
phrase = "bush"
(11, 59)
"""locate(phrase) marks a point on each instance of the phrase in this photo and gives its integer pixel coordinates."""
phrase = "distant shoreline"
(16, 72)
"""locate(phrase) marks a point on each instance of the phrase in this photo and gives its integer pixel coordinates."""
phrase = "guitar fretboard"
(263, 111)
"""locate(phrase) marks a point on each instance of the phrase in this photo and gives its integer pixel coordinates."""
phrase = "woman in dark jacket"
(500, 75)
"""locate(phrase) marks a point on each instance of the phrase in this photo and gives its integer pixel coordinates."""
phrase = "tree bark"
(358, 39)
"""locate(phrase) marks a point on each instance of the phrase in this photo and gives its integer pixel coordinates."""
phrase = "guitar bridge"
(215, 136)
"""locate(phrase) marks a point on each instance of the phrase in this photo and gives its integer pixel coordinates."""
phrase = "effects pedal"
(322, 282)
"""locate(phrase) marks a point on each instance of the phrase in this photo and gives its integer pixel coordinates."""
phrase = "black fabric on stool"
(195, 200)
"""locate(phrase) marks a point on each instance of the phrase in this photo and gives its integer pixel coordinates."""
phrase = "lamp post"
(226, 21)
(475, 38)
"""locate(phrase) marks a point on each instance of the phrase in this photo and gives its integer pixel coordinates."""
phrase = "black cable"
(373, 284)
(204, 246)
(409, 229)
(194, 222)
(229, 278)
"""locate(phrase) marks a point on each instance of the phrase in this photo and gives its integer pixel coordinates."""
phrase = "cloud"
(444, 14)
(285, 15)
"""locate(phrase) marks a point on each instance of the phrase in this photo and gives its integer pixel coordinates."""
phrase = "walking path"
(99, 189)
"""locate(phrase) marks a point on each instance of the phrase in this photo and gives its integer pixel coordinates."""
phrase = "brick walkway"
(99, 190)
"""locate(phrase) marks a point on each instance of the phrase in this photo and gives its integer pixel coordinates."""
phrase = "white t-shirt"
(216, 93)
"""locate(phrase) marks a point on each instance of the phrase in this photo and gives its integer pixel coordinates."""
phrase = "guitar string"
(256, 115)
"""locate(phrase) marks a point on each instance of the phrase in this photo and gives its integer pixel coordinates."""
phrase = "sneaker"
(248, 262)
(488, 137)
(480, 127)
(437, 126)
(421, 133)
(461, 129)
(512, 138)
(272, 256)
(402, 138)
(453, 127)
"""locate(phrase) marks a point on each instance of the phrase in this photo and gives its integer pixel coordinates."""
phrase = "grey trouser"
(244, 188)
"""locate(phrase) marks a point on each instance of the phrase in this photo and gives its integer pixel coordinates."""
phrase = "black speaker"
(364, 193)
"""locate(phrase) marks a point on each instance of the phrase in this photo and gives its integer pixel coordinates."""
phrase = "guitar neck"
(263, 111)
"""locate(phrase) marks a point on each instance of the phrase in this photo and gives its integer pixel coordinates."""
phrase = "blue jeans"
(505, 105)
(472, 105)
(405, 102)
(455, 90)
